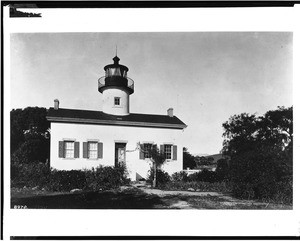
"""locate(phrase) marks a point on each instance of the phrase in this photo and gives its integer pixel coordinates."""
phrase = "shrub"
(180, 176)
(30, 175)
(262, 175)
(203, 176)
(162, 177)
(222, 171)
(31, 151)
(106, 177)
(66, 180)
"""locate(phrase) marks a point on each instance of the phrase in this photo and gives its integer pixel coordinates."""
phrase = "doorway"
(120, 154)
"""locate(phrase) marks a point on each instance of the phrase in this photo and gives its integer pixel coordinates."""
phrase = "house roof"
(101, 118)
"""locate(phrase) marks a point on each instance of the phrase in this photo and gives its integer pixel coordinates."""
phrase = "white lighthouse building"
(84, 139)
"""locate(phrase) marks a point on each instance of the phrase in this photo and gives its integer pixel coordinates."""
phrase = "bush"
(30, 175)
(180, 177)
(203, 176)
(262, 175)
(31, 151)
(106, 177)
(66, 180)
(162, 177)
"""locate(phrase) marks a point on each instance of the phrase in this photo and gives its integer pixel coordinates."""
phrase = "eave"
(115, 122)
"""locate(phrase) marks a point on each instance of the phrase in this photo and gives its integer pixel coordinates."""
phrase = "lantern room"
(116, 77)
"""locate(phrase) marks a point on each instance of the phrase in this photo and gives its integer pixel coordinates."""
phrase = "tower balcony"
(116, 81)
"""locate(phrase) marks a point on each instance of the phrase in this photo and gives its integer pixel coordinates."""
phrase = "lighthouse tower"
(116, 88)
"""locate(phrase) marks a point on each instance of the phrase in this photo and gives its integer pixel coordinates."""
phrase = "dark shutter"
(174, 152)
(76, 151)
(100, 150)
(85, 150)
(142, 156)
(61, 149)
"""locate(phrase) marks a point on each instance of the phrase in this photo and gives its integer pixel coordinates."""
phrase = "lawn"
(131, 198)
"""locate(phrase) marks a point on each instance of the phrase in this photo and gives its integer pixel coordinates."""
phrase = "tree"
(260, 151)
(157, 158)
(247, 132)
(30, 137)
(188, 159)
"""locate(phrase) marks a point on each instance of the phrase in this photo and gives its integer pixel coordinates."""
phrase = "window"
(168, 151)
(93, 150)
(147, 149)
(69, 149)
(117, 100)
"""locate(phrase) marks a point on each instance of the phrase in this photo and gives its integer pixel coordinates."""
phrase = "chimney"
(170, 112)
(56, 104)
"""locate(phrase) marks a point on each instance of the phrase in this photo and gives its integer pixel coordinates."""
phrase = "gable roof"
(101, 118)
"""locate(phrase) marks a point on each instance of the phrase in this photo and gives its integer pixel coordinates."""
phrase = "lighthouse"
(116, 88)
(85, 139)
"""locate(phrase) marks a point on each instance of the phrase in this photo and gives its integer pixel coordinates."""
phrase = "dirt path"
(209, 200)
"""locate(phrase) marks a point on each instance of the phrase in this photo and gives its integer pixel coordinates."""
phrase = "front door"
(120, 154)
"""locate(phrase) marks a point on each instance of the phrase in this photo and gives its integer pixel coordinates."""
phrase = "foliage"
(66, 180)
(31, 151)
(247, 132)
(188, 159)
(30, 175)
(157, 157)
(203, 176)
(179, 176)
(40, 175)
(31, 120)
(162, 177)
(261, 154)
(106, 177)
(222, 170)
(29, 135)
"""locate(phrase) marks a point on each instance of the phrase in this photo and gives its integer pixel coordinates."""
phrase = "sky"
(205, 76)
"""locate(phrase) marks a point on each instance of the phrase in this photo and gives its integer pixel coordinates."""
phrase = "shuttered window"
(68, 149)
(170, 151)
(92, 150)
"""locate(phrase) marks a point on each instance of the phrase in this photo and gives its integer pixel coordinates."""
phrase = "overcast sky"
(205, 77)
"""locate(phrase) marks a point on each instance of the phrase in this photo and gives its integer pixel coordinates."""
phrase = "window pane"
(147, 148)
(69, 149)
(117, 100)
(168, 151)
(93, 149)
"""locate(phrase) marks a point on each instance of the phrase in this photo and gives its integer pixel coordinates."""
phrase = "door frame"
(119, 145)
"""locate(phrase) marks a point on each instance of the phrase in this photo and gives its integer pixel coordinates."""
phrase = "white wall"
(109, 105)
(108, 135)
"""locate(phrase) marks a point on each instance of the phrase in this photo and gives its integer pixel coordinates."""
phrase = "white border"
(151, 222)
